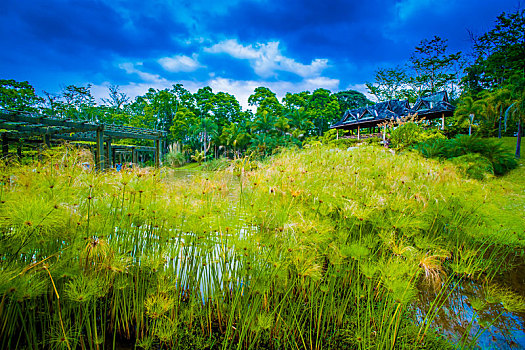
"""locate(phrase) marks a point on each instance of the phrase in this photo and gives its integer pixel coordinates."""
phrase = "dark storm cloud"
(80, 35)
(63, 42)
(312, 28)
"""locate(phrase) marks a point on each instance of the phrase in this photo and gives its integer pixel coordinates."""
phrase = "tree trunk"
(470, 125)
(499, 127)
(205, 140)
(518, 142)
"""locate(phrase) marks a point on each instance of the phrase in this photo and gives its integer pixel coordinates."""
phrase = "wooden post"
(47, 140)
(358, 133)
(157, 153)
(19, 150)
(337, 136)
(108, 156)
(99, 152)
(384, 135)
(442, 121)
(134, 156)
(161, 150)
(5, 146)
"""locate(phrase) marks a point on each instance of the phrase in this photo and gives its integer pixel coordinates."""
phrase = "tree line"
(487, 85)
(209, 122)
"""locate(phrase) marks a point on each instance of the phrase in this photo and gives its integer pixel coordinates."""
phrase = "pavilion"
(429, 107)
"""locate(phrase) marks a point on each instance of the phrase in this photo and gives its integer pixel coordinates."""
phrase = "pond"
(473, 313)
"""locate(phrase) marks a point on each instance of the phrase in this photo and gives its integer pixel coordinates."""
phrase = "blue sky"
(232, 46)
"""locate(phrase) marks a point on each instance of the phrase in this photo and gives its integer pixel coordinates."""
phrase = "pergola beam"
(25, 125)
(48, 121)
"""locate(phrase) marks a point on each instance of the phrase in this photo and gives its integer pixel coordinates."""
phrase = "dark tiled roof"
(396, 109)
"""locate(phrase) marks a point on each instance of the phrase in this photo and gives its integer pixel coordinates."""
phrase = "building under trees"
(429, 107)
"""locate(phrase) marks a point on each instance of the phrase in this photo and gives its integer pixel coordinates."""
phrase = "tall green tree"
(324, 109)
(499, 100)
(516, 111)
(432, 67)
(296, 101)
(390, 84)
(18, 95)
(300, 124)
(116, 99)
(500, 53)
(235, 136)
(79, 103)
(265, 100)
(351, 99)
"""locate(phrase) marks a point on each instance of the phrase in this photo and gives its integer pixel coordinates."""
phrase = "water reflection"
(467, 317)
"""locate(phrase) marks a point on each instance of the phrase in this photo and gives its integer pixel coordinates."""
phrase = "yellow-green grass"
(314, 248)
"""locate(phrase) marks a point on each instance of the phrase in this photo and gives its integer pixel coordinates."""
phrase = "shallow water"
(489, 327)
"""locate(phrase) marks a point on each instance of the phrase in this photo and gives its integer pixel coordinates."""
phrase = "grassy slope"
(509, 194)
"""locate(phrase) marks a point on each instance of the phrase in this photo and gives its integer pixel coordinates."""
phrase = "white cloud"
(242, 89)
(363, 89)
(267, 58)
(180, 63)
(154, 79)
(407, 8)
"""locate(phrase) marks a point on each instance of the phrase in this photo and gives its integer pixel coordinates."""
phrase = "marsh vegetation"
(315, 248)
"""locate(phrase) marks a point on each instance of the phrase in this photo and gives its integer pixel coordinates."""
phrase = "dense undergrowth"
(318, 248)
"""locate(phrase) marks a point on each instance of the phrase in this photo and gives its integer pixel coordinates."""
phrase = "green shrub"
(434, 148)
(474, 166)
(406, 135)
(467, 152)
(464, 144)
(371, 141)
(501, 160)
(343, 143)
(175, 159)
(410, 134)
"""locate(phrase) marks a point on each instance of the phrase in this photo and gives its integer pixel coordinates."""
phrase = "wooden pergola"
(22, 125)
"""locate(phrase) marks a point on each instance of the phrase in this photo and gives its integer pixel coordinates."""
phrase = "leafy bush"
(175, 159)
(474, 166)
(410, 134)
(471, 153)
(343, 143)
(464, 144)
(434, 148)
(406, 135)
(371, 141)
(199, 157)
(501, 160)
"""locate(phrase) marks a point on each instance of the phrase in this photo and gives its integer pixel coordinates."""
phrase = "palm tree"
(517, 109)
(499, 99)
(282, 124)
(468, 108)
(300, 123)
(234, 136)
(264, 122)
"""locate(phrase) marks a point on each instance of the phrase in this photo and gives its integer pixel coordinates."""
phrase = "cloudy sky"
(232, 46)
